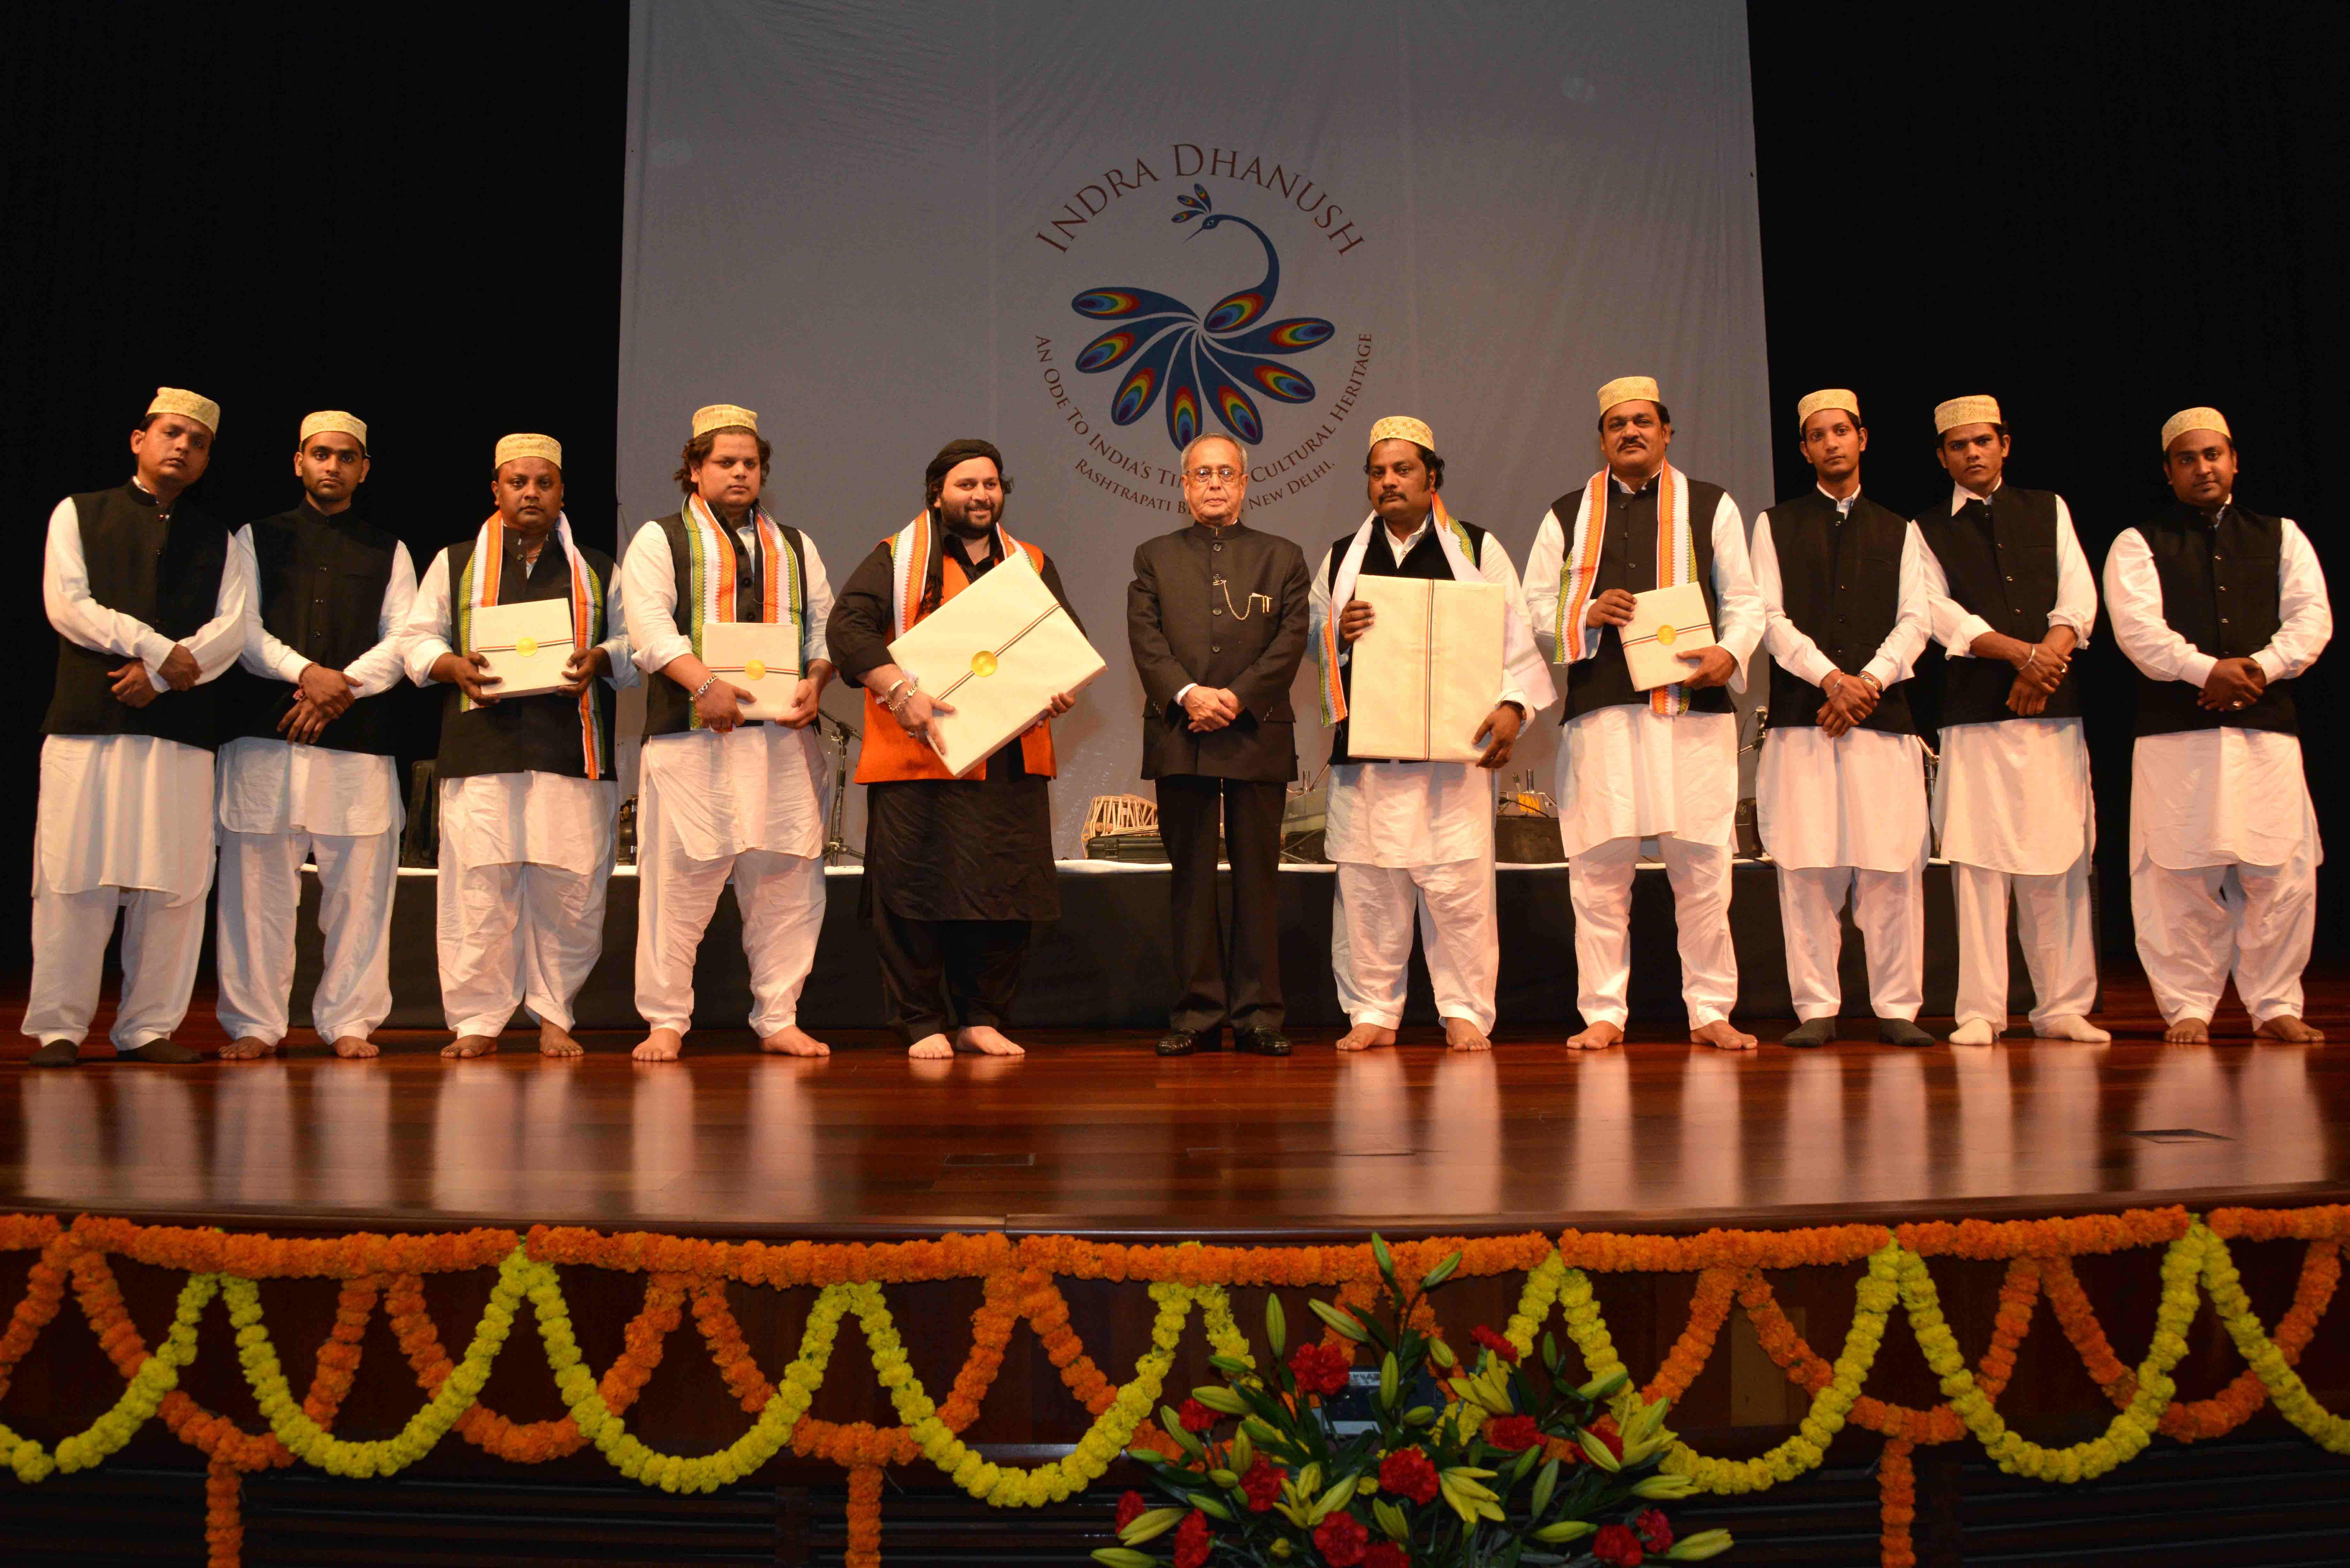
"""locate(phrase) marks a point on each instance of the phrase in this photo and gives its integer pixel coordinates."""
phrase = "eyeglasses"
(1204, 474)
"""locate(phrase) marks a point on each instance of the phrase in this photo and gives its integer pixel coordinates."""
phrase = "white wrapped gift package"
(1429, 670)
(1666, 623)
(527, 645)
(761, 657)
(998, 653)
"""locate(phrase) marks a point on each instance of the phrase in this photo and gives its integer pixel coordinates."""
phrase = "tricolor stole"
(477, 589)
(912, 549)
(1460, 550)
(1579, 568)
(711, 580)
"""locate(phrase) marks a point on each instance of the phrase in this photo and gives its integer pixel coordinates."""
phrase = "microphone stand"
(837, 736)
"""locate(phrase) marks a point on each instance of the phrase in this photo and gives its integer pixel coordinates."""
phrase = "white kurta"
(1401, 815)
(272, 787)
(124, 822)
(2013, 795)
(1858, 800)
(1627, 771)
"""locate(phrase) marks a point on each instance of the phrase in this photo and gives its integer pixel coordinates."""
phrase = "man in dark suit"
(1216, 615)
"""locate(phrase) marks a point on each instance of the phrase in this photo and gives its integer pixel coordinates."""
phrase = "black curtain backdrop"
(2099, 216)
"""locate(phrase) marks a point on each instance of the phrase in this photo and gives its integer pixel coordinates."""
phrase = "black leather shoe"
(169, 1051)
(1262, 1042)
(1902, 1032)
(1817, 1032)
(1183, 1042)
(53, 1054)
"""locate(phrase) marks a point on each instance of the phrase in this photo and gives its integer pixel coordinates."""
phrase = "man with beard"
(724, 797)
(149, 601)
(958, 870)
(1841, 794)
(1638, 764)
(1407, 833)
(2219, 608)
(527, 796)
(1216, 619)
(310, 771)
(2011, 597)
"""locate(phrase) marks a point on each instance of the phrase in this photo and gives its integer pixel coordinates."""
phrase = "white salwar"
(2012, 805)
(281, 802)
(124, 822)
(745, 806)
(2224, 847)
(525, 857)
(1845, 817)
(1627, 772)
(1418, 837)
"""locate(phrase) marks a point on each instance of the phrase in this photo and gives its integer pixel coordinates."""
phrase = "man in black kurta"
(957, 870)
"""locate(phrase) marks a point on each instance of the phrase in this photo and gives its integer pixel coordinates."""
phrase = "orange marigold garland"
(1896, 1504)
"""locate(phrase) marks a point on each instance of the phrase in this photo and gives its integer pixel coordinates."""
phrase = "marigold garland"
(1019, 1281)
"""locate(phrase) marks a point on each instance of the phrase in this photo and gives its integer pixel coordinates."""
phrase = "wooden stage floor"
(1097, 1136)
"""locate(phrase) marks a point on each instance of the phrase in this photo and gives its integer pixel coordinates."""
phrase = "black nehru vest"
(527, 734)
(1425, 559)
(168, 575)
(321, 587)
(2221, 586)
(1840, 583)
(2000, 564)
(1628, 560)
(669, 707)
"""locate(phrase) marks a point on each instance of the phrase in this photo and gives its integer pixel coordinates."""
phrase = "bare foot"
(1461, 1034)
(1595, 1038)
(984, 1040)
(554, 1039)
(931, 1048)
(2070, 1026)
(247, 1049)
(792, 1040)
(2188, 1031)
(1975, 1031)
(1363, 1037)
(660, 1045)
(354, 1047)
(2284, 1026)
(1723, 1035)
(472, 1045)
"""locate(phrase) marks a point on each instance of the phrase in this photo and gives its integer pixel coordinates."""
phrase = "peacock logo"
(1221, 360)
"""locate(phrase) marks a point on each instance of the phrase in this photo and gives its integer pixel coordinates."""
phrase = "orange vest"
(890, 754)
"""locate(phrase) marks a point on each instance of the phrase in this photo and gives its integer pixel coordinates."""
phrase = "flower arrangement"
(1501, 1463)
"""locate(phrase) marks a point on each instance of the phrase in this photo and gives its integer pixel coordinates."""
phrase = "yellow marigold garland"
(1019, 1281)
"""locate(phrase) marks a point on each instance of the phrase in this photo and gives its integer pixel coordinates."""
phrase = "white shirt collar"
(1961, 495)
(1397, 551)
(1843, 503)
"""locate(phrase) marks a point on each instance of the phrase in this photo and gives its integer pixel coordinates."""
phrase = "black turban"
(957, 452)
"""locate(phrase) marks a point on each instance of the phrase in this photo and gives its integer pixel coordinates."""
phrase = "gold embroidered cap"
(724, 416)
(1979, 410)
(2185, 420)
(333, 420)
(514, 446)
(1625, 390)
(1402, 427)
(194, 405)
(1828, 398)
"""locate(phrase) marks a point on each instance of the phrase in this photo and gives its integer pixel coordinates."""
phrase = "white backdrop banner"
(1086, 232)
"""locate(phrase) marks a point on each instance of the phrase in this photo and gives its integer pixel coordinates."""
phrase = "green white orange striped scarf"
(477, 589)
(1578, 567)
(711, 580)
(913, 551)
(1459, 553)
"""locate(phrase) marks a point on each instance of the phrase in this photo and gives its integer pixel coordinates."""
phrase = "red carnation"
(1343, 1541)
(1196, 1416)
(1512, 1433)
(1655, 1531)
(1617, 1546)
(1495, 1342)
(1132, 1507)
(1320, 1369)
(1605, 1429)
(1191, 1541)
(1407, 1473)
(1386, 1554)
(1262, 1484)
